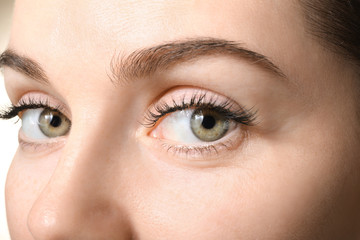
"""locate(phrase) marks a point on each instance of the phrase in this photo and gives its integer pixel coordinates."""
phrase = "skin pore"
(291, 174)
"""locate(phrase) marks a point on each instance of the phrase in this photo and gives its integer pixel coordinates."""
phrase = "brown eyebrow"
(147, 61)
(23, 65)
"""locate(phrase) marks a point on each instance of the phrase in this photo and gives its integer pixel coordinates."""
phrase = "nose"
(79, 201)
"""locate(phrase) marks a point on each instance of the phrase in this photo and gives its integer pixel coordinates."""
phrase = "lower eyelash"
(200, 151)
(191, 150)
(38, 147)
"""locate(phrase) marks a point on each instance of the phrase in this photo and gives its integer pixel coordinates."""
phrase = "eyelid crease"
(198, 101)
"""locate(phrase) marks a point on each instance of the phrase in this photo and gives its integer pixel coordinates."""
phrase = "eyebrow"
(23, 65)
(147, 61)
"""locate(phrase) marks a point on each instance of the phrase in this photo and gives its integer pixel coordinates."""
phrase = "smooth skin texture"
(293, 175)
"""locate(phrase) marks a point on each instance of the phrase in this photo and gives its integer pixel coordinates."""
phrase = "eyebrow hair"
(23, 65)
(147, 61)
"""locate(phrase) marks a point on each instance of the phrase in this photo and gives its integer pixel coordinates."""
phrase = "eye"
(193, 126)
(44, 123)
(208, 125)
(194, 123)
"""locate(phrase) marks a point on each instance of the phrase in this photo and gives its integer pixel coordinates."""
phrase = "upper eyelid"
(200, 98)
(22, 106)
(46, 101)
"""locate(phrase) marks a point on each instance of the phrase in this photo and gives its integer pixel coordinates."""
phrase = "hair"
(336, 23)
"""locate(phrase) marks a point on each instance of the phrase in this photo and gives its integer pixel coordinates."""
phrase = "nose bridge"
(79, 198)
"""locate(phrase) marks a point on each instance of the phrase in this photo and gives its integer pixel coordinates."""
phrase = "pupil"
(208, 122)
(55, 121)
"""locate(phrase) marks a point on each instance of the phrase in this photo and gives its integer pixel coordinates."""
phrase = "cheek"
(228, 203)
(25, 180)
(306, 181)
(189, 204)
(280, 188)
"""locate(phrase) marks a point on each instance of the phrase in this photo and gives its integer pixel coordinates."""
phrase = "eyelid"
(198, 154)
(185, 98)
(49, 101)
(216, 154)
(40, 146)
(35, 100)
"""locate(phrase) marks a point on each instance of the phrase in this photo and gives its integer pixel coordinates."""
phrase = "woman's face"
(179, 120)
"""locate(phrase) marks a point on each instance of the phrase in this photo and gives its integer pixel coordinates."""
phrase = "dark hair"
(336, 23)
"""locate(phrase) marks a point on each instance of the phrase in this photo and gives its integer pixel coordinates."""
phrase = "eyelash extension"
(197, 101)
(15, 110)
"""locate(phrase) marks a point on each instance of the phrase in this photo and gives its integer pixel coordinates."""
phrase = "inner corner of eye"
(154, 133)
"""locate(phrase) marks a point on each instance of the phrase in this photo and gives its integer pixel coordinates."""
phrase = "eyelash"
(241, 116)
(200, 100)
(23, 105)
(153, 115)
(197, 101)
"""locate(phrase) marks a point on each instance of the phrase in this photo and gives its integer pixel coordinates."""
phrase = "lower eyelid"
(197, 152)
(210, 154)
(40, 147)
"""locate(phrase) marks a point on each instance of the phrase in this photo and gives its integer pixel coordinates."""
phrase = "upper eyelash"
(15, 110)
(241, 115)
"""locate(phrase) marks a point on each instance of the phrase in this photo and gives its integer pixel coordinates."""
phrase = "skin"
(293, 175)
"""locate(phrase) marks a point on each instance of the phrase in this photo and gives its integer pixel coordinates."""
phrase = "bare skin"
(293, 174)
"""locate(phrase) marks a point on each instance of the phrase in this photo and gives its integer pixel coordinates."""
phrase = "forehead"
(78, 39)
(61, 25)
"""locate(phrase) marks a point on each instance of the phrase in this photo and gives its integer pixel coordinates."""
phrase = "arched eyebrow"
(23, 65)
(147, 61)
